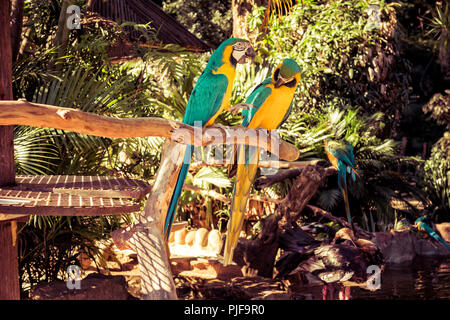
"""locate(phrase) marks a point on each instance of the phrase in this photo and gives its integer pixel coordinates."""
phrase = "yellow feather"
(228, 71)
(269, 115)
(244, 180)
(272, 111)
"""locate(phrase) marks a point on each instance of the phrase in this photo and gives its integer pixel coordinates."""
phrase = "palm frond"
(211, 176)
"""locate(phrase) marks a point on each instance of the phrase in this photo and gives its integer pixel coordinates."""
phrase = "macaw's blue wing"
(258, 96)
(205, 101)
(206, 98)
(345, 163)
(351, 159)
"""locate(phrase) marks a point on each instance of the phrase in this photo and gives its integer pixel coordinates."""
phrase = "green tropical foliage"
(209, 20)
(437, 167)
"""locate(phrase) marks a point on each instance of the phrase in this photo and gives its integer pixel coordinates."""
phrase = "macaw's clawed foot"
(218, 125)
(235, 109)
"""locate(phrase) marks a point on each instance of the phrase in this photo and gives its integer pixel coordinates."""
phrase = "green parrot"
(210, 96)
(341, 157)
(269, 105)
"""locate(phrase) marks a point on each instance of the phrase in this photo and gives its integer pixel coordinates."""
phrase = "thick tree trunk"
(62, 34)
(16, 26)
(146, 237)
(9, 269)
(241, 10)
(90, 5)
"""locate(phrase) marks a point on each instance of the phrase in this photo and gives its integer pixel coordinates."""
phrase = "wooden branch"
(220, 197)
(266, 181)
(147, 235)
(22, 112)
(341, 221)
(262, 164)
(208, 193)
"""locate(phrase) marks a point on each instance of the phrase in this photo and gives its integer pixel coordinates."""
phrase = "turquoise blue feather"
(204, 102)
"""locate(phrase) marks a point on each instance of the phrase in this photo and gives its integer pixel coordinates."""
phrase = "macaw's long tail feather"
(347, 205)
(246, 170)
(441, 240)
(177, 191)
(433, 233)
(353, 172)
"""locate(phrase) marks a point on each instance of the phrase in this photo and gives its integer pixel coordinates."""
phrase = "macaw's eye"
(239, 46)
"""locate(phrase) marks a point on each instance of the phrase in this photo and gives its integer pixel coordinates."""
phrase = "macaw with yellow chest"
(341, 157)
(269, 106)
(210, 96)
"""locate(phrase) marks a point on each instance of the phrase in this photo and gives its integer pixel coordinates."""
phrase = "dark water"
(424, 279)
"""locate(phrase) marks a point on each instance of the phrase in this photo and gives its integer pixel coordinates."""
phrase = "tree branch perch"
(22, 112)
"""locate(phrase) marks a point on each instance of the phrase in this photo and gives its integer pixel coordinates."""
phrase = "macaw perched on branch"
(210, 96)
(268, 107)
(423, 226)
(341, 157)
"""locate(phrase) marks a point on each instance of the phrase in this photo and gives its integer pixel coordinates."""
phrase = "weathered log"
(22, 112)
(360, 233)
(153, 255)
(266, 181)
(303, 189)
(208, 193)
(262, 164)
(258, 256)
(220, 197)
(146, 236)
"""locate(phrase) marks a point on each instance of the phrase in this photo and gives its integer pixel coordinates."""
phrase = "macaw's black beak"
(279, 82)
(250, 53)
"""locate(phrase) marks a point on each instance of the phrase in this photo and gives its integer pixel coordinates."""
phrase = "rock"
(259, 288)
(396, 246)
(94, 287)
(444, 230)
(214, 241)
(180, 264)
(241, 288)
(428, 247)
(189, 239)
(180, 236)
(403, 245)
(204, 268)
(201, 238)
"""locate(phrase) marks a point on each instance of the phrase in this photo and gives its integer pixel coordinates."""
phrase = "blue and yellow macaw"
(210, 96)
(269, 106)
(341, 157)
(423, 226)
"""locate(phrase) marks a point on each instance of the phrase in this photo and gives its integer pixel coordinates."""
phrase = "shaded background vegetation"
(374, 73)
